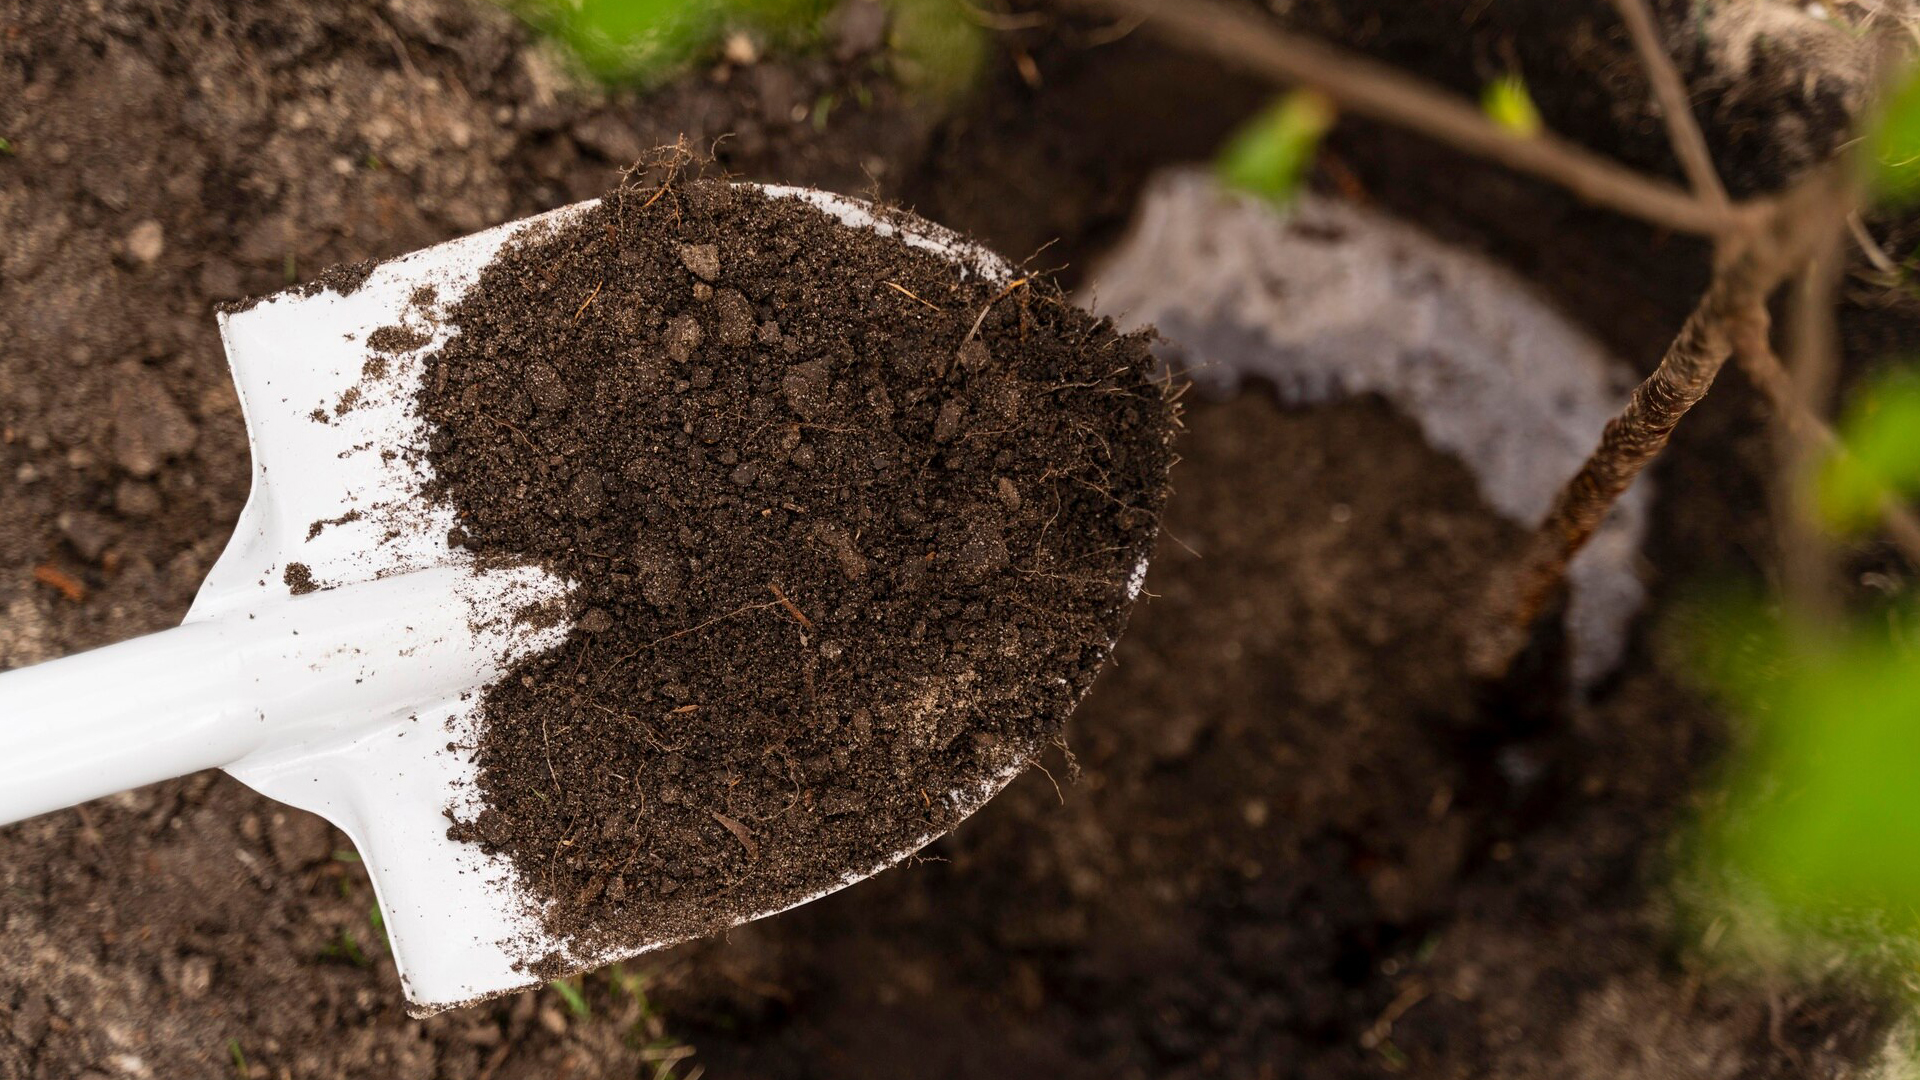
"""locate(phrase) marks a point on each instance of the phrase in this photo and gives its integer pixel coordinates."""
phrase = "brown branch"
(1683, 131)
(1374, 90)
(1761, 365)
(1804, 552)
(1749, 267)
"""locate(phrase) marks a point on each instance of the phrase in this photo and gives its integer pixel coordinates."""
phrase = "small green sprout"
(1878, 456)
(345, 946)
(569, 992)
(1507, 102)
(7, 147)
(1271, 154)
(239, 1057)
(1894, 145)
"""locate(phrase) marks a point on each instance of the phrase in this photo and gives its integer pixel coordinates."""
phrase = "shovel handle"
(118, 717)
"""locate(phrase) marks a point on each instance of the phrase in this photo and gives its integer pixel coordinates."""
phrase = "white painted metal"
(348, 702)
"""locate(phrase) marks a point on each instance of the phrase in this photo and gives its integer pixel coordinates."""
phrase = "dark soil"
(299, 577)
(853, 530)
(1205, 901)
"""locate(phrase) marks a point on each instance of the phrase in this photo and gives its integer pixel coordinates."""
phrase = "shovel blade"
(328, 381)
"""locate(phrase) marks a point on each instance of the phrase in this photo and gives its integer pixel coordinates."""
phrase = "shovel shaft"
(115, 718)
(250, 686)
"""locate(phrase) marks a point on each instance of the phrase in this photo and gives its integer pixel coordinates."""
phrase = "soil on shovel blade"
(853, 529)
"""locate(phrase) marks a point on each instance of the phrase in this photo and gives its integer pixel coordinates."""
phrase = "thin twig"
(1374, 90)
(793, 609)
(589, 300)
(1758, 360)
(1815, 362)
(1683, 131)
(910, 294)
(1749, 268)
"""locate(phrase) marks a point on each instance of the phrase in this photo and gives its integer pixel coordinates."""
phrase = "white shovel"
(344, 701)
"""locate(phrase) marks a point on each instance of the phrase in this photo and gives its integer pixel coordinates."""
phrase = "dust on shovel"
(851, 531)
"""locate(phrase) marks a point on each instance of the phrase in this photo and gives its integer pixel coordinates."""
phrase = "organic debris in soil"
(852, 530)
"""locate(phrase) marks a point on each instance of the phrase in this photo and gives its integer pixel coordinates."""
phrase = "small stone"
(546, 388)
(148, 426)
(981, 548)
(953, 414)
(610, 137)
(973, 355)
(736, 318)
(840, 542)
(807, 387)
(683, 337)
(220, 279)
(88, 532)
(1009, 494)
(702, 259)
(660, 575)
(195, 977)
(702, 292)
(298, 839)
(586, 495)
(145, 242)
(741, 49)
(596, 621)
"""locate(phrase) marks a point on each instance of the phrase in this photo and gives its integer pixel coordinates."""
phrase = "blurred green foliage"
(1814, 841)
(1507, 102)
(1821, 816)
(1895, 144)
(1271, 154)
(1879, 456)
(936, 48)
(569, 991)
(642, 41)
(933, 46)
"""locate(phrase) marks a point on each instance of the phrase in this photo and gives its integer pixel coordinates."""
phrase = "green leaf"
(1507, 103)
(1811, 843)
(576, 1001)
(645, 41)
(1271, 154)
(1895, 144)
(1878, 456)
(936, 48)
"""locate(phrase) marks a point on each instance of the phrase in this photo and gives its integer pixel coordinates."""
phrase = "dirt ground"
(1294, 847)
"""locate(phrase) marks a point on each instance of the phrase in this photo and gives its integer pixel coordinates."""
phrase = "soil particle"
(145, 242)
(688, 735)
(702, 259)
(396, 339)
(149, 427)
(299, 579)
(344, 279)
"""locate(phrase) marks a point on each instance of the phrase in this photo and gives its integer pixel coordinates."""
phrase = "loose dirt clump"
(852, 529)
